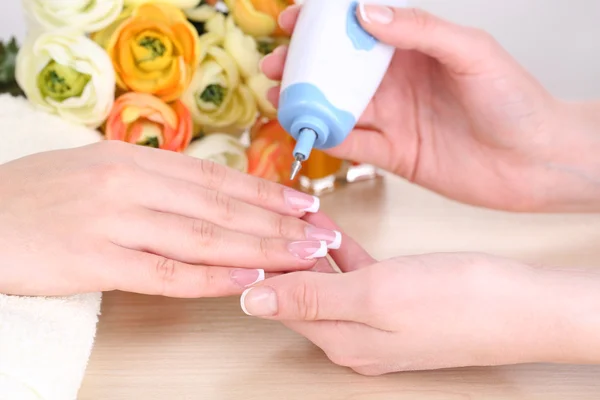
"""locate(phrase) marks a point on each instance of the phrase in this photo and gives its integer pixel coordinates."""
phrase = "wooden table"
(156, 348)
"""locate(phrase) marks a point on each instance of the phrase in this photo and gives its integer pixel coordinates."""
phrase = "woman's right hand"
(458, 115)
(116, 216)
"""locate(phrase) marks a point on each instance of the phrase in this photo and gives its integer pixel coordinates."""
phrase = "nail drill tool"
(333, 69)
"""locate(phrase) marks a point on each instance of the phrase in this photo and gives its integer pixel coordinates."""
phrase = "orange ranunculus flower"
(258, 17)
(148, 121)
(270, 152)
(154, 49)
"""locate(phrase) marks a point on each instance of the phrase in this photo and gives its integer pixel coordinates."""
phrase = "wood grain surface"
(151, 348)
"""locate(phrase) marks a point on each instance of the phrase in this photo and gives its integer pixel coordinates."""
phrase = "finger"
(273, 95)
(272, 65)
(350, 256)
(460, 48)
(365, 146)
(213, 176)
(308, 296)
(288, 18)
(187, 199)
(150, 274)
(324, 266)
(196, 241)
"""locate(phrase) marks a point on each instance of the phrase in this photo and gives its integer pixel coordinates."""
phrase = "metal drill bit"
(296, 166)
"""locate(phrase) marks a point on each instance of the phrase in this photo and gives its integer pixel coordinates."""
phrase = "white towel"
(45, 343)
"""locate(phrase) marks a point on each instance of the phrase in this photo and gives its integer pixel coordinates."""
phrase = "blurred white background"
(558, 41)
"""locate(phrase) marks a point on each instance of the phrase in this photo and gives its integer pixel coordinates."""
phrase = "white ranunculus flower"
(220, 148)
(260, 85)
(201, 14)
(183, 4)
(67, 74)
(243, 48)
(85, 15)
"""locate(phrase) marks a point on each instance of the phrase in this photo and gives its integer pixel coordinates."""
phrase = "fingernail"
(332, 238)
(259, 302)
(285, 12)
(280, 50)
(247, 277)
(378, 14)
(308, 250)
(301, 201)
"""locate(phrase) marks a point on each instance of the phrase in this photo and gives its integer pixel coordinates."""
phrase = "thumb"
(309, 296)
(459, 48)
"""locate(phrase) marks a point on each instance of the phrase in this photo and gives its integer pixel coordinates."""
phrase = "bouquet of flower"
(179, 75)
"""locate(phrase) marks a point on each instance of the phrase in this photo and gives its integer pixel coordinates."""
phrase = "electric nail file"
(332, 71)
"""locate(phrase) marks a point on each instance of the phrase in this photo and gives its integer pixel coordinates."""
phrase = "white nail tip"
(243, 301)
(315, 206)
(322, 252)
(363, 12)
(337, 242)
(261, 277)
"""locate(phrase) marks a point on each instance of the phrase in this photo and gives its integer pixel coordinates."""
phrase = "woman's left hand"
(435, 311)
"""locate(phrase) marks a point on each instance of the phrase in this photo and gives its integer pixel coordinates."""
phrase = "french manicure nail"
(301, 201)
(247, 277)
(378, 14)
(332, 238)
(308, 250)
(259, 302)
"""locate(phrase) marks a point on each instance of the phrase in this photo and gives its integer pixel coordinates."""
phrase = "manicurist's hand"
(435, 311)
(458, 115)
(115, 216)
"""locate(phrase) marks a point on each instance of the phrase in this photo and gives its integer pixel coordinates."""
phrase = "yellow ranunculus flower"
(258, 17)
(154, 50)
(183, 4)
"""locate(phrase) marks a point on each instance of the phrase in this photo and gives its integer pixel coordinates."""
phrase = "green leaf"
(214, 94)
(150, 142)
(8, 61)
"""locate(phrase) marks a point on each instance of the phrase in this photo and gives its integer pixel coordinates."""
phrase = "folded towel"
(45, 343)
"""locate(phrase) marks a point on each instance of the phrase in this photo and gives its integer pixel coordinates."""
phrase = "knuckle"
(166, 270)
(421, 18)
(262, 191)
(264, 246)
(306, 299)
(204, 232)
(486, 42)
(226, 206)
(112, 175)
(214, 173)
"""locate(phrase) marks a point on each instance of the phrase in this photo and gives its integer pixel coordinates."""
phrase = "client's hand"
(458, 115)
(435, 311)
(115, 216)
